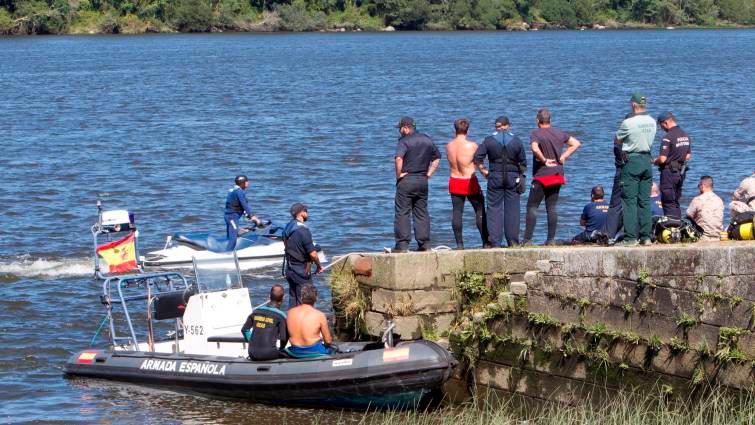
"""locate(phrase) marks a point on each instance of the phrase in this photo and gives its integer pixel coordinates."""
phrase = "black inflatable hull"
(399, 378)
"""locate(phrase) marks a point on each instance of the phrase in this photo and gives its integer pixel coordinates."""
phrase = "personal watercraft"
(190, 339)
(255, 247)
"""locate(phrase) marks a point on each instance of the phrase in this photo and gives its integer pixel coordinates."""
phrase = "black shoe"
(487, 246)
(398, 251)
(527, 243)
(550, 242)
(646, 242)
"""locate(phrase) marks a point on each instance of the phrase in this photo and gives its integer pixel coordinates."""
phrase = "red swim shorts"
(461, 186)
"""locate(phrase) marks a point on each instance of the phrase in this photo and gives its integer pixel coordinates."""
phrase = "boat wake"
(44, 268)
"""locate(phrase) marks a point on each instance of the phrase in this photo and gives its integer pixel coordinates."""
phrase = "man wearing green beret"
(635, 136)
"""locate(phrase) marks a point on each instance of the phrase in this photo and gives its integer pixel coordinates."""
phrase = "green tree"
(558, 12)
(193, 15)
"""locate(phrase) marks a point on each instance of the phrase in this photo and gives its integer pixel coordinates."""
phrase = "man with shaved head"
(265, 328)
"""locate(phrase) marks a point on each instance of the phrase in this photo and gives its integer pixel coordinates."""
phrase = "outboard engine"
(116, 221)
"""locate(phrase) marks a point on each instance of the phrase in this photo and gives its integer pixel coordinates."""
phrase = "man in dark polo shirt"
(593, 216)
(675, 151)
(265, 329)
(547, 143)
(417, 158)
(300, 254)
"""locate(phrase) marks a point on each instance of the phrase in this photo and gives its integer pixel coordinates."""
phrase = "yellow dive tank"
(744, 232)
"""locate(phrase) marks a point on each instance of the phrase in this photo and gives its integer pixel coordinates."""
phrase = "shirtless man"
(308, 330)
(463, 184)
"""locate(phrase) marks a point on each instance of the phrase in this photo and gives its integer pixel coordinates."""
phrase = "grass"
(650, 408)
(349, 299)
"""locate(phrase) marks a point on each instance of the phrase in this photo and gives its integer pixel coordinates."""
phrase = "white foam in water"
(44, 268)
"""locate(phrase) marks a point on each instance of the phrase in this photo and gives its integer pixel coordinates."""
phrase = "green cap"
(639, 99)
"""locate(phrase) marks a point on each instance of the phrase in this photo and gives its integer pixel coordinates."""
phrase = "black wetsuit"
(263, 328)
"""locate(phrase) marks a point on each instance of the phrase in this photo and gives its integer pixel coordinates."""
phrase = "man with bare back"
(463, 184)
(308, 330)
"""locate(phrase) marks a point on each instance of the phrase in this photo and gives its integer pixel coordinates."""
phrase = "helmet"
(240, 180)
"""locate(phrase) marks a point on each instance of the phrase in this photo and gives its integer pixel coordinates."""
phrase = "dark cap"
(240, 180)
(405, 122)
(665, 116)
(297, 208)
(639, 99)
(502, 120)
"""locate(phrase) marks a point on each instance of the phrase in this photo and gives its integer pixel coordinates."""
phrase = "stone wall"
(559, 323)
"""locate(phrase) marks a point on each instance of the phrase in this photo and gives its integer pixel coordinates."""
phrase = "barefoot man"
(463, 184)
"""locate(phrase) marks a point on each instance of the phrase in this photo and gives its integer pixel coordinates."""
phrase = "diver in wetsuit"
(236, 206)
(265, 329)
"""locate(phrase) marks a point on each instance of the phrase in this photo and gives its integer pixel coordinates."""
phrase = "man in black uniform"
(613, 226)
(507, 164)
(300, 254)
(417, 158)
(672, 160)
(265, 329)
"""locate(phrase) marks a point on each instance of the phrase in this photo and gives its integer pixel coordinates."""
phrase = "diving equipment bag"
(672, 230)
(741, 227)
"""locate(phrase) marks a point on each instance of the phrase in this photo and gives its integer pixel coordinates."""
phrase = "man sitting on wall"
(308, 328)
(265, 328)
(706, 211)
(593, 216)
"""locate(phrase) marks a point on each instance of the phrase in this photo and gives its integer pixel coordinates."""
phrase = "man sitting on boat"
(265, 328)
(308, 328)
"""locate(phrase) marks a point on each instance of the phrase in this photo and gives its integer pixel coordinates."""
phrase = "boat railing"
(155, 285)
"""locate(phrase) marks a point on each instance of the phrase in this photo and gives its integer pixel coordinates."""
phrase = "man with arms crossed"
(417, 158)
(463, 184)
(308, 328)
(635, 135)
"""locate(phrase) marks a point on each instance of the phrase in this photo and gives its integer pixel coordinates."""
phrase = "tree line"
(115, 16)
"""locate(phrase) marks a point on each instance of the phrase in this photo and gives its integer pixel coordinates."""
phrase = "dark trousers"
(231, 230)
(503, 208)
(537, 193)
(295, 282)
(671, 192)
(614, 220)
(636, 180)
(411, 205)
(478, 204)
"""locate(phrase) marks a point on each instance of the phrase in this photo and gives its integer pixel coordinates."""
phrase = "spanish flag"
(119, 256)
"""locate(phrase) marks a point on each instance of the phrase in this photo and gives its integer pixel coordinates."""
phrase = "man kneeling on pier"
(308, 327)
(265, 328)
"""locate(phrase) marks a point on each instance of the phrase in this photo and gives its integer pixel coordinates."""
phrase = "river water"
(165, 122)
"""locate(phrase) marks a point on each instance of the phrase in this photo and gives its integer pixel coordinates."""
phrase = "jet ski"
(191, 341)
(256, 247)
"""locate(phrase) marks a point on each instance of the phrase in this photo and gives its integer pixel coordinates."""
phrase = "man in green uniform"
(636, 135)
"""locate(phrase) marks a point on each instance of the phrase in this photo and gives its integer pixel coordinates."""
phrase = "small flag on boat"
(87, 357)
(119, 256)
(395, 354)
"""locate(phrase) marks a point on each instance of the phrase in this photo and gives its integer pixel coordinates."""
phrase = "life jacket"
(742, 227)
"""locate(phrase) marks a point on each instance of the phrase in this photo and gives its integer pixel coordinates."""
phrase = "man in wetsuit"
(463, 184)
(675, 153)
(506, 166)
(236, 207)
(593, 216)
(635, 136)
(416, 160)
(308, 327)
(300, 254)
(265, 329)
(547, 143)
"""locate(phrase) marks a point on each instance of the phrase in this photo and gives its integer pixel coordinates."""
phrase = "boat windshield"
(218, 273)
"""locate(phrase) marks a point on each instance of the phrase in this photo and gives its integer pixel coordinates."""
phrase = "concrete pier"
(561, 323)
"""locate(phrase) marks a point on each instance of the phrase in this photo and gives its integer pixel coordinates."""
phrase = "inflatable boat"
(189, 339)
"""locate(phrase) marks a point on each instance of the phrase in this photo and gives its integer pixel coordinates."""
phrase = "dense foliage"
(115, 16)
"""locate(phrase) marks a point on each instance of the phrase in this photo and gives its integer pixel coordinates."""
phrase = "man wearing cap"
(506, 166)
(672, 162)
(236, 206)
(417, 158)
(300, 254)
(635, 135)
